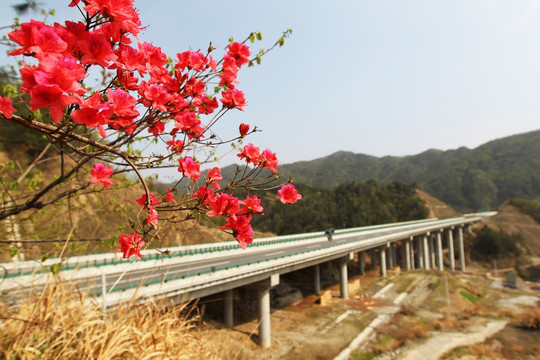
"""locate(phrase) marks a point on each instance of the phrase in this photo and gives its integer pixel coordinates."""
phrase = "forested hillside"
(347, 205)
(481, 178)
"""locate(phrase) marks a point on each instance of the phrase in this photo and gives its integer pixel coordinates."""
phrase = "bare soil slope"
(437, 208)
(510, 220)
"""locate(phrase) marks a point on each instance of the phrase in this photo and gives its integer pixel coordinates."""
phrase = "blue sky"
(375, 77)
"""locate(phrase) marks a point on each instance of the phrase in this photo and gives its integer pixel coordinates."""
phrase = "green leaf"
(13, 251)
(252, 38)
(55, 269)
(111, 241)
(9, 90)
(231, 39)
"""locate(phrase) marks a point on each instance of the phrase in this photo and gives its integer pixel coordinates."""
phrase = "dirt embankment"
(437, 208)
(510, 220)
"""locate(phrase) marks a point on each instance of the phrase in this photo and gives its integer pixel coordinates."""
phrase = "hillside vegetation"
(512, 219)
(348, 205)
(481, 178)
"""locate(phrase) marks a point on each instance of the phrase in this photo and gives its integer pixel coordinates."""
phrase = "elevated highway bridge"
(191, 272)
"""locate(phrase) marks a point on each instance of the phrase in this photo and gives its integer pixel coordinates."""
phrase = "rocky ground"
(417, 318)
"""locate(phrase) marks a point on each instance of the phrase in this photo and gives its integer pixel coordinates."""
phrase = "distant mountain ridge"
(481, 178)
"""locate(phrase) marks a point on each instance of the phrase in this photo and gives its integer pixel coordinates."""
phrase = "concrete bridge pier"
(382, 256)
(450, 240)
(461, 248)
(388, 258)
(432, 256)
(373, 258)
(343, 276)
(263, 298)
(411, 246)
(425, 246)
(317, 279)
(406, 254)
(439, 251)
(362, 262)
(420, 252)
(393, 255)
(228, 317)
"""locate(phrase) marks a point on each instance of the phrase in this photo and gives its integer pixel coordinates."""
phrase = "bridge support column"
(382, 253)
(393, 255)
(373, 258)
(388, 257)
(406, 254)
(450, 240)
(426, 256)
(228, 317)
(317, 279)
(432, 257)
(362, 262)
(461, 248)
(263, 299)
(439, 252)
(420, 253)
(343, 276)
(411, 246)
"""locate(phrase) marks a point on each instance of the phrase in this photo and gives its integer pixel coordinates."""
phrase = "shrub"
(493, 244)
(528, 207)
(530, 318)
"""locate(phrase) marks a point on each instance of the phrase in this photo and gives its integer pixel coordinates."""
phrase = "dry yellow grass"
(59, 323)
(530, 318)
(448, 322)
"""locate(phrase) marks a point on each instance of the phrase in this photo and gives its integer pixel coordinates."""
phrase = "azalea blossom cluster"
(146, 96)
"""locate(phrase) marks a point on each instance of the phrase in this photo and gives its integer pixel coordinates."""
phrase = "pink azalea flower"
(288, 194)
(223, 205)
(243, 128)
(233, 98)
(170, 196)
(252, 205)
(242, 230)
(189, 167)
(153, 217)
(204, 193)
(131, 245)
(269, 160)
(102, 174)
(251, 153)
(240, 53)
(176, 146)
(214, 176)
(157, 128)
(5, 107)
(142, 200)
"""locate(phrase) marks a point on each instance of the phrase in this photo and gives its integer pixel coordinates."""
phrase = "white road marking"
(381, 292)
(400, 297)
